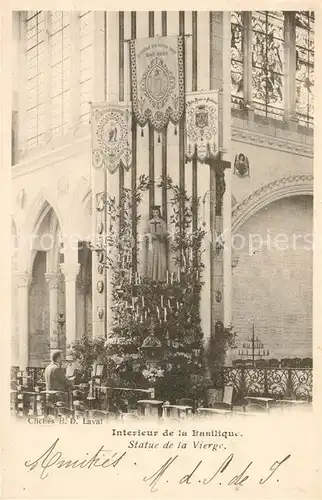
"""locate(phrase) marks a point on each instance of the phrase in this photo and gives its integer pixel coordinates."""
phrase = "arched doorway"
(46, 307)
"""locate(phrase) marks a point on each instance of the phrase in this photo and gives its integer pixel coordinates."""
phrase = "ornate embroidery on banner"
(111, 137)
(157, 77)
(201, 125)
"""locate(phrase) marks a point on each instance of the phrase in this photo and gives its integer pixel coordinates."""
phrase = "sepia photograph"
(162, 214)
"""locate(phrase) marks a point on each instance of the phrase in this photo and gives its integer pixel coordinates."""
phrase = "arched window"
(272, 64)
(60, 46)
(86, 30)
(59, 67)
(35, 62)
(268, 63)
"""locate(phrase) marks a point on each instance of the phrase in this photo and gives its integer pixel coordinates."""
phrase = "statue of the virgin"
(156, 246)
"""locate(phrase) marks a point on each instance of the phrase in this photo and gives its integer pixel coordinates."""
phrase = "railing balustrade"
(278, 383)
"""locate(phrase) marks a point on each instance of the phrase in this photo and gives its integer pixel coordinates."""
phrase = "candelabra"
(253, 348)
(162, 308)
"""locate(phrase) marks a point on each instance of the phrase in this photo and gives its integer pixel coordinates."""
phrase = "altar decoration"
(202, 125)
(155, 336)
(157, 79)
(111, 136)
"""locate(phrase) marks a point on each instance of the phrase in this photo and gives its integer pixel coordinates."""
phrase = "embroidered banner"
(201, 125)
(157, 77)
(111, 136)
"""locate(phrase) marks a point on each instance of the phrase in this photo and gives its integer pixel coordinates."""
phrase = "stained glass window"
(86, 63)
(237, 60)
(35, 62)
(60, 43)
(268, 63)
(305, 67)
(49, 72)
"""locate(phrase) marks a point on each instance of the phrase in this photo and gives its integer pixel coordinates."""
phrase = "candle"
(142, 301)
(169, 303)
(167, 277)
(158, 312)
(177, 305)
(141, 319)
(161, 300)
(133, 302)
(146, 315)
(165, 314)
(171, 278)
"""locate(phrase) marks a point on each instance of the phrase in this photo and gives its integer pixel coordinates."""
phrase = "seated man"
(55, 377)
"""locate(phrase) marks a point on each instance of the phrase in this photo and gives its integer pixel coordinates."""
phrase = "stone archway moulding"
(282, 188)
(37, 212)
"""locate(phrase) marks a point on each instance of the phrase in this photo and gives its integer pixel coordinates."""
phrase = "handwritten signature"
(237, 480)
(51, 458)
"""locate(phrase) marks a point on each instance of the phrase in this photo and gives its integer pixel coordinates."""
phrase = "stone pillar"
(70, 271)
(248, 48)
(53, 280)
(24, 281)
(82, 290)
(227, 209)
(290, 70)
(219, 79)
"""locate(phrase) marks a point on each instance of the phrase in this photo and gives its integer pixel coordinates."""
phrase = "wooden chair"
(224, 399)
(150, 408)
(176, 412)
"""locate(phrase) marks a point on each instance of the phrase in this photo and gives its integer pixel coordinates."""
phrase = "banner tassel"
(142, 133)
(175, 130)
(158, 137)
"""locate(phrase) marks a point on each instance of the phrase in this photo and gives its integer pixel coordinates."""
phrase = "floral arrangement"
(152, 374)
(169, 310)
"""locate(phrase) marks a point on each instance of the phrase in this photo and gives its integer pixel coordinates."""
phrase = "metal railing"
(279, 383)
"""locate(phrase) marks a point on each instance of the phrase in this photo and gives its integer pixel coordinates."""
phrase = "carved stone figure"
(156, 247)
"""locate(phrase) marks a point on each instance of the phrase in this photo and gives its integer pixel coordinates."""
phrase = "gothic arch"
(39, 209)
(281, 188)
(38, 212)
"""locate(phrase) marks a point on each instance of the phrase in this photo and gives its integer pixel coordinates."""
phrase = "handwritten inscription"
(237, 480)
(103, 458)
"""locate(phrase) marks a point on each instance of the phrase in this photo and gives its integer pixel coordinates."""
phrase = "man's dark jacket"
(56, 379)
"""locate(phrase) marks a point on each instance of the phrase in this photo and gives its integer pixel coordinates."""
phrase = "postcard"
(160, 252)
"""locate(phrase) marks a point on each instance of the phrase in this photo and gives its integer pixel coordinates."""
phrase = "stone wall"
(274, 285)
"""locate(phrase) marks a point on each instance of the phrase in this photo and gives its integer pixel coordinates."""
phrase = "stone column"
(227, 210)
(290, 70)
(70, 271)
(248, 48)
(53, 280)
(219, 79)
(24, 281)
(82, 290)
